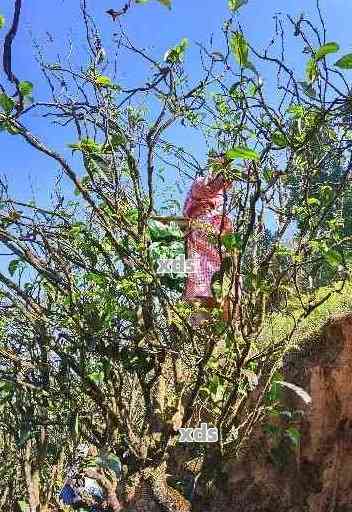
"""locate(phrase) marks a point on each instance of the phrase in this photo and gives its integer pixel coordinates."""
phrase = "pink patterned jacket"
(204, 205)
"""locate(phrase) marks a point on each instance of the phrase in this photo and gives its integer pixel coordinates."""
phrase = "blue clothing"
(78, 486)
(68, 495)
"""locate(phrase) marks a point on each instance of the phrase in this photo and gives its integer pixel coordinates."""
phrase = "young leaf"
(242, 153)
(345, 62)
(103, 81)
(313, 201)
(6, 103)
(239, 47)
(26, 88)
(234, 5)
(312, 71)
(325, 50)
(167, 3)
(175, 55)
(2, 21)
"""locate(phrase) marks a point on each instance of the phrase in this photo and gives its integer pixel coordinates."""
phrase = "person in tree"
(207, 220)
(91, 481)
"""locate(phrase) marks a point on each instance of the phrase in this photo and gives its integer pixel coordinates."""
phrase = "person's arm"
(113, 502)
(109, 487)
(181, 222)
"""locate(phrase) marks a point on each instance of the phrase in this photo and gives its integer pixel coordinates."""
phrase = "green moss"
(278, 327)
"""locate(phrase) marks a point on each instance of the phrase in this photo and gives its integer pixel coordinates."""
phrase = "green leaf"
(175, 55)
(234, 5)
(86, 146)
(279, 139)
(142, 1)
(103, 81)
(13, 266)
(333, 257)
(312, 71)
(313, 201)
(297, 111)
(231, 241)
(239, 47)
(2, 21)
(294, 435)
(26, 88)
(167, 3)
(326, 193)
(345, 62)
(325, 50)
(95, 278)
(97, 377)
(24, 506)
(6, 103)
(159, 231)
(242, 153)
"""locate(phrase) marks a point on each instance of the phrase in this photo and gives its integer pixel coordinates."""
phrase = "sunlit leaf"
(313, 201)
(26, 88)
(242, 153)
(325, 50)
(312, 71)
(239, 47)
(2, 21)
(97, 377)
(297, 111)
(103, 81)
(175, 55)
(234, 5)
(345, 62)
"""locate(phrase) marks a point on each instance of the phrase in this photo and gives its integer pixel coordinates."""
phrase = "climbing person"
(207, 222)
(91, 481)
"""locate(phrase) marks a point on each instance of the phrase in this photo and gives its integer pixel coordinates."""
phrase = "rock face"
(316, 476)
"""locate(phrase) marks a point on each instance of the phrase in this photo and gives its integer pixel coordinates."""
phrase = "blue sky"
(152, 26)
